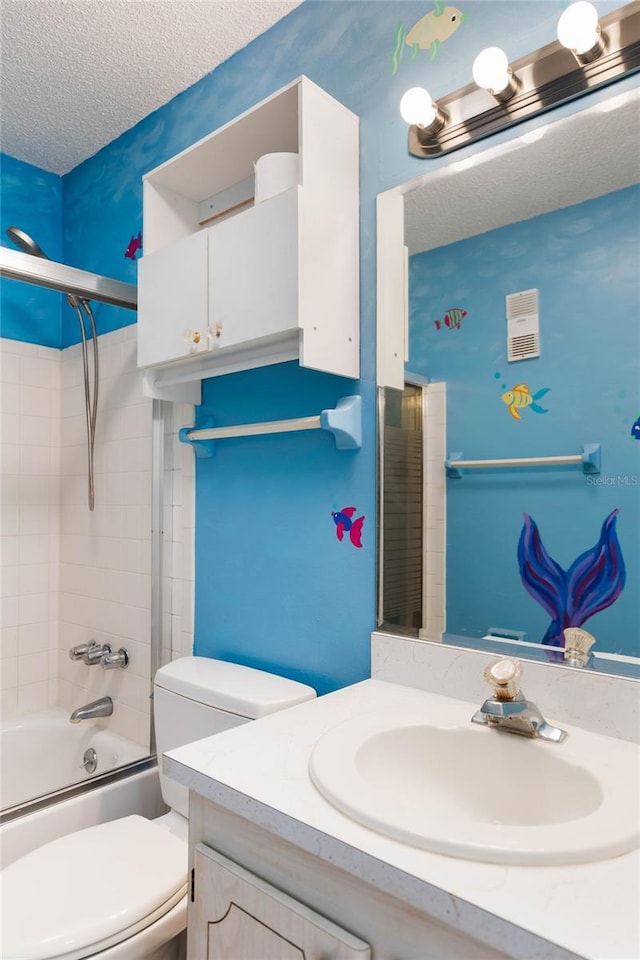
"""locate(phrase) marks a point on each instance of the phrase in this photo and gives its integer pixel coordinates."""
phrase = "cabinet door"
(238, 916)
(172, 300)
(253, 272)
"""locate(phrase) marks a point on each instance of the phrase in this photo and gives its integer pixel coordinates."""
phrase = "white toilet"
(118, 891)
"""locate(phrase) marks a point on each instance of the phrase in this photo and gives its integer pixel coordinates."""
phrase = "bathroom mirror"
(520, 333)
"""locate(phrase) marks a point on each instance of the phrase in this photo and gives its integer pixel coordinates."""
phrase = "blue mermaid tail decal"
(593, 581)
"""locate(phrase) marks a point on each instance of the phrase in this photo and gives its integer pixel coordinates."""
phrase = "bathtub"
(43, 753)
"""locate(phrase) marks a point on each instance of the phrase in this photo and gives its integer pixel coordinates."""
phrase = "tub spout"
(98, 708)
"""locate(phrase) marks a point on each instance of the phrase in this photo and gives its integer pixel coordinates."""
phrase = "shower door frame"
(15, 265)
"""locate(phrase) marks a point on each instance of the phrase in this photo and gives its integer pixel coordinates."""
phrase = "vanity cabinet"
(227, 283)
(256, 895)
(235, 914)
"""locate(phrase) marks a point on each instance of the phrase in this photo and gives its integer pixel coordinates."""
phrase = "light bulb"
(578, 27)
(416, 107)
(491, 69)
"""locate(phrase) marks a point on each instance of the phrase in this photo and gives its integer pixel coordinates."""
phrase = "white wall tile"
(35, 401)
(32, 668)
(9, 705)
(33, 637)
(9, 428)
(8, 642)
(33, 698)
(9, 365)
(78, 576)
(8, 673)
(9, 607)
(10, 584)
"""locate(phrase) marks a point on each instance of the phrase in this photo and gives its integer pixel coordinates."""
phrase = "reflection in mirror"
(524, 344)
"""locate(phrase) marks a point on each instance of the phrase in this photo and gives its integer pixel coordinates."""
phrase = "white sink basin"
(478, 793)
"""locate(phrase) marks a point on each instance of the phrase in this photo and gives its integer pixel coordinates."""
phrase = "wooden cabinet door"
(237, 916)
(172, 299)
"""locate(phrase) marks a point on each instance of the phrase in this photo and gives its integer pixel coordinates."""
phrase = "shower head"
(27, 244)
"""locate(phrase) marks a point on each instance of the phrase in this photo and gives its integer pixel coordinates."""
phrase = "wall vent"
(523, 325)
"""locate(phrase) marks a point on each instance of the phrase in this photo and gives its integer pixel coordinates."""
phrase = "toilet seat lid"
(90, 889)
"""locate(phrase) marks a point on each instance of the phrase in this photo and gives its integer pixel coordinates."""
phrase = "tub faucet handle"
(79, 652)
(96, 652)
(112, 660)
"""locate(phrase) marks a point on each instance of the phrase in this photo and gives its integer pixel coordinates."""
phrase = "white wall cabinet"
(237, 916)
(225, 283)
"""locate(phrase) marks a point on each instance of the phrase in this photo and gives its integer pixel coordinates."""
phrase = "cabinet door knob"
(214, 332)
(192, 338)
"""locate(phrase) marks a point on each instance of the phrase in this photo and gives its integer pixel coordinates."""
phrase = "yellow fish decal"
(429, 33)
(521, 397)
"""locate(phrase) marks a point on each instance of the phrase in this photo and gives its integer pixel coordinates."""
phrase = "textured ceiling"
(75, 74)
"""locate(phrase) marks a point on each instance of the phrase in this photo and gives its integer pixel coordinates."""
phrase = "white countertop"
(260, 771)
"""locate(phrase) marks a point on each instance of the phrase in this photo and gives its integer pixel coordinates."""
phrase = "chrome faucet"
(509, 710)
(90, 653)
(97, 708)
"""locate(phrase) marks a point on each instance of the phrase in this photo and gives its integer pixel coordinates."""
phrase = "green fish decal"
(429, 33)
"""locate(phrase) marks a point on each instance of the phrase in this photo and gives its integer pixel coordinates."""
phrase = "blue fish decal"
(635, 429)
(591, 584)
(345, 523)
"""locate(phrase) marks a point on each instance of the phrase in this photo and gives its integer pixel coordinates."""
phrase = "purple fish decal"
(592, 582)
(135, 245)
(345, 524)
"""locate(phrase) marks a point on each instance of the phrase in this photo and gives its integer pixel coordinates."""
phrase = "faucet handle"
(80, 651)
(577, 644)
(504, 676)
(112, 660)
(96, 652)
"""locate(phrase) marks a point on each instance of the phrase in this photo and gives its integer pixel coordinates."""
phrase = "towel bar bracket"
(589, 458)
(344, 422)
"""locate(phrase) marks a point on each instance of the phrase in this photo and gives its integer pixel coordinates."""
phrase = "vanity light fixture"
(580, 32)
(491, 72)
(588, 54)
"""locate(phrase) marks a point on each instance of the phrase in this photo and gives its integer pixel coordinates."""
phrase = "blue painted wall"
(273, 585)
(584, 262)
(30, 199)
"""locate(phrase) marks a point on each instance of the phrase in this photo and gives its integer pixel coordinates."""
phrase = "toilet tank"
(195, 697)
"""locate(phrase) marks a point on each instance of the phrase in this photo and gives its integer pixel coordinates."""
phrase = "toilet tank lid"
(237, 689)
